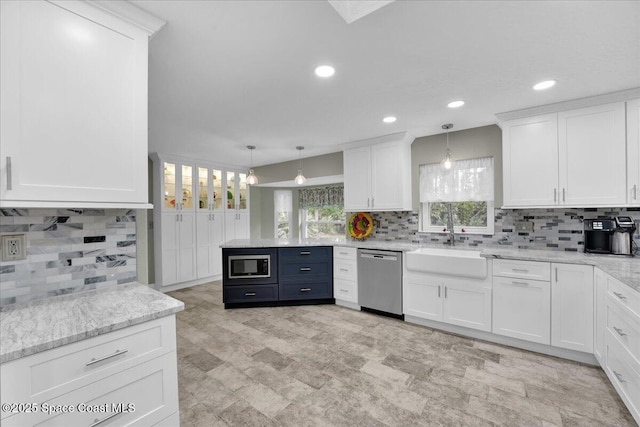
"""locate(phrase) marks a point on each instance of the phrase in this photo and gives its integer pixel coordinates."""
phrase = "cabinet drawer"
(306, 290)
(522, 269)
(151, 387)
(623, 294)
(45, 375)
(624, 373)
(305, 253)
(346, 290)
(342, 252)
(256, 293)
(308, 269)
(343, 269)
(623, 327)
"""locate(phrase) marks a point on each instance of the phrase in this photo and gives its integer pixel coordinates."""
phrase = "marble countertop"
(622, 268)
(27, 329)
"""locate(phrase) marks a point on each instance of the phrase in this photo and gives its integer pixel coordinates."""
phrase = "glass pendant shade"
(447, 162)
(300, 179)
(252, 179)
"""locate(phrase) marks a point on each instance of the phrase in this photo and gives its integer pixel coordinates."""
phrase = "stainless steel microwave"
(249, 266)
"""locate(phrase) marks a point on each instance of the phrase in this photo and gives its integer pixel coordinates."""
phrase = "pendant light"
(300, 179)
(446, 162)
(252, 179)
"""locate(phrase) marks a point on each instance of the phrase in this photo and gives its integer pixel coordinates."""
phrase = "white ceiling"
(226, 74)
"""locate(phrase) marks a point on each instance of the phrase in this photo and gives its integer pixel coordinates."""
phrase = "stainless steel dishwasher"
(380, 281)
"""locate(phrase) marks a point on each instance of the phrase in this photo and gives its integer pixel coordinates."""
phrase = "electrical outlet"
(13, 247)
(524, 227)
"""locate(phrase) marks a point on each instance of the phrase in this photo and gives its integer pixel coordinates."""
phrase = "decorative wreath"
(360, 225)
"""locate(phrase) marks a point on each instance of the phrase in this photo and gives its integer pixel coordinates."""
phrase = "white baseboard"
(177, 286)
(348, 304)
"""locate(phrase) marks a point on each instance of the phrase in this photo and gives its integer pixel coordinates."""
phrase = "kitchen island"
(112, 348)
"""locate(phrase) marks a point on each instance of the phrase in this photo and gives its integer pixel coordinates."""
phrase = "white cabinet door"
(357, 179)
(387, 188)
(591, 146)
(209, 237)
(187, 246)
(243, 226)
(600, 321)
(467, 304)
(73, 93)
(530, 161)
(572, 307)
(169, 238)
(422, 297)
(522, 309)
(633, 152)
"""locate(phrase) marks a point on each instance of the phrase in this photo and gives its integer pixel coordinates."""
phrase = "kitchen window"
(283, 208)
(322, 212)
(467, 186)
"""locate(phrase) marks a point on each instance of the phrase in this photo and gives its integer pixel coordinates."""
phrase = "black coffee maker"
(598, 235)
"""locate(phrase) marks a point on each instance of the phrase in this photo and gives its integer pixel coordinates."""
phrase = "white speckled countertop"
(27, 329)
(625, 269)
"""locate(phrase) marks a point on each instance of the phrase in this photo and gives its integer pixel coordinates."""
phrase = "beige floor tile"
(495, 381)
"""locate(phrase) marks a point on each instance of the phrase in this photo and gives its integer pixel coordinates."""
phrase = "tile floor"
(327, 365)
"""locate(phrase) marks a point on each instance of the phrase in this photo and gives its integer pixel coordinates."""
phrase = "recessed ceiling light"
(325, 71)
(544, 85)
(455, 104)
(389, 119)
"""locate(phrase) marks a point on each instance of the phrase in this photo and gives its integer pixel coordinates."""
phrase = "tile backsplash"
(68, 250)
(553, 229)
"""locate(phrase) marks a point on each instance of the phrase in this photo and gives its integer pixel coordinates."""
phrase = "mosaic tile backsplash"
(68, 250)
(553, 229)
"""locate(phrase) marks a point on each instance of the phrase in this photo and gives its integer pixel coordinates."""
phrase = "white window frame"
(304, 220)
(289, 213)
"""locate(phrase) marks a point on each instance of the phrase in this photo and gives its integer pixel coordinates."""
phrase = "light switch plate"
(524, 227)
(13, 247)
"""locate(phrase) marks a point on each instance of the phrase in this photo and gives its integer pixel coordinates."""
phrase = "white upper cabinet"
(572, 158)
(592, 147)
(377, 174)
(633, 152)
(530, 153)
(73, 106)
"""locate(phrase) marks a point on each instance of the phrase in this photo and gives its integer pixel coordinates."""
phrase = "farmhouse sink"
(450, 262)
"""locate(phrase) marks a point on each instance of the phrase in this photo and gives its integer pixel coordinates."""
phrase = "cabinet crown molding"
(623, 95)
(403, 137)
(132, 14)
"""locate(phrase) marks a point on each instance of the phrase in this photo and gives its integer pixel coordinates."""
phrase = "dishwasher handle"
(378, 256)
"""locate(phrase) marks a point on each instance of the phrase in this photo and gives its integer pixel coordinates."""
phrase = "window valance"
(466, 180)
(321, 197)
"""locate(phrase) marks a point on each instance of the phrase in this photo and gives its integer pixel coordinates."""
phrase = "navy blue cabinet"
(254, 277)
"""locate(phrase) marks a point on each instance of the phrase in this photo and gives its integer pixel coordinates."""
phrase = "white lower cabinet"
(178, 235)
(125, 377)
(209, 237)
(461, 302)
(522, 309)
(345, 275)
(572, 307)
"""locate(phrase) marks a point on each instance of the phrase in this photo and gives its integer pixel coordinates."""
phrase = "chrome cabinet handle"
(305, 289)
(305, 253)
(445, 292)
(9, 174)
(344, 291)
(520, 270)
(368, 201)
(305, 268)
(556, 274)
(438, 291)
(373, 202)
(555, 194)
(109, 356)
(635, 192)
(619, 377)
(563, 195)
(619, 295)
(249, 294)
(520, 283)
(619, 331)
(343, 253)
(97, 422)
(344, 269)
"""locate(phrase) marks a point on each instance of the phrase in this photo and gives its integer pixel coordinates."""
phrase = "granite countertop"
(30, 328)
(622, 268)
